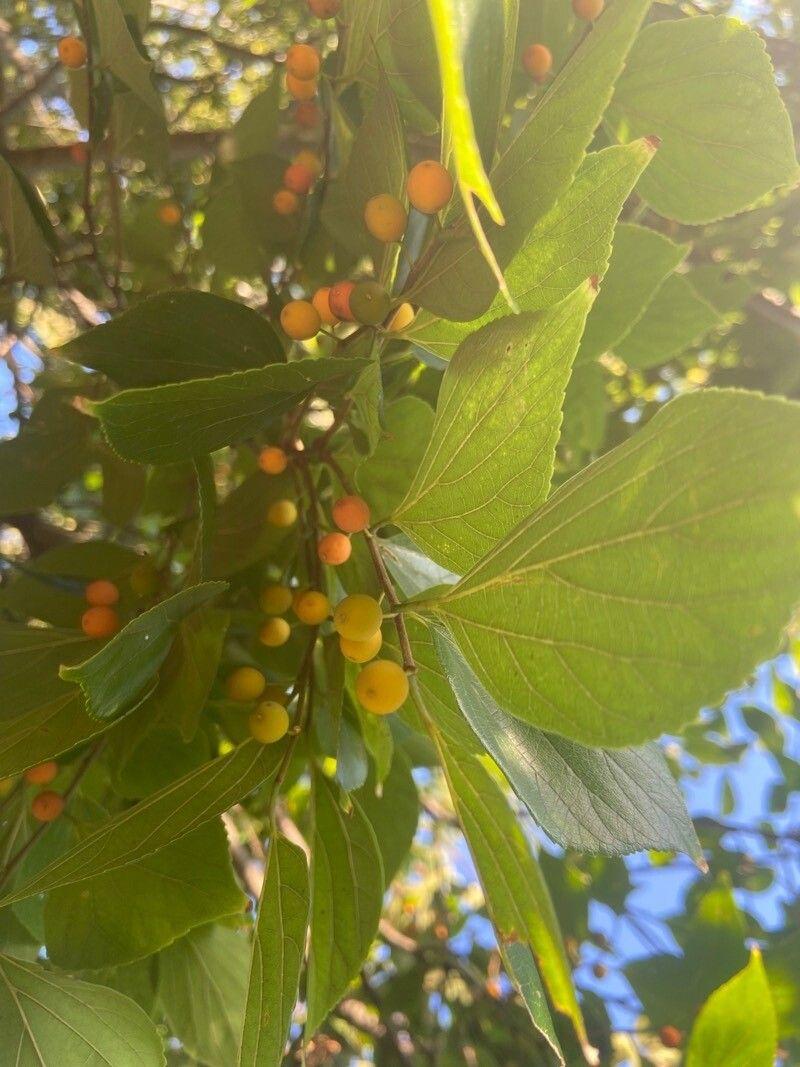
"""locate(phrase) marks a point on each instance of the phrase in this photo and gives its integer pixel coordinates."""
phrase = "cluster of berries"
(47, 805)
(537, 59)
(100, 619)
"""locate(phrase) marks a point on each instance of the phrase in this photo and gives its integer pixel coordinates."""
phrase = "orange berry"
(298, 178)
(300, 320)
(273, 460)
(72, 52)
(99, 622)
(324, 9)
(321, 302)
(385, 217)
(42, 774)
(275, 632)
(311, 607)
(537, 59)
(307, 114)
(245, 684)
(671, 1036)
(310, 160)
(47, 806)
(302, 61)
(351, 514)
(401, 318)
(282, 513)
(382, 686)
(101, 593)
(299, 89)
(588, 10)
(169, 213)
(429, 186)
(339, 300)
(285, 202)
(334, 548)
(361, 651)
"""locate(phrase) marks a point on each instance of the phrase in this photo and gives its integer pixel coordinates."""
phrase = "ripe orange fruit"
(588, 10)
(361, 651)
(72, 52)
(310, 160)
(382, 686)
(321, 301)
(339, 300)
(169, 213)
(275, 632)
(42, 774)
(401, 318)
(99, 622)
(47, 806)
(285, 202)
(671, 1036)
(429, 186)
(307, 114)
(385, 217)
(351, 514)
(282, 513)
(298, 178)
(101, 593)
(302, 61)
(300, 320)
(299, 89)
(245, 684)
(324, 9)
(334, 549)
(311, 607)
(537, 59)
(273, 460)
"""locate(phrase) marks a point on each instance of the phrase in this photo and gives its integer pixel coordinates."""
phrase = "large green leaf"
(169, 423)
(241, 534)
(48, 1020)
(347, 884)
(676, 318)
(737, 1025)
(21, 225)
(571, 243)
(160, 819)
(278, 949)
(125, 670)
(707, 88)
(537, 168)
(119, 52)
(384, 477)
(590, 799)
(174, 337)
(189, 883)
(650, 583)
(490, 458)
(640, 261)
(393, 813)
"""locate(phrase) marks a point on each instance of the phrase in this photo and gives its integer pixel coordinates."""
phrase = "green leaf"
(650, 583)
(737, 1025)
(118, 677)
(242, 536)
(675, 319)
(640, 261)
(119, 52)
(160, 819)
(410, 62)
(384, 477)
(347, 884)
(366, 26)
(706, 87)
(189, 883)
(175, 337)
(490, 458)
(202, 984)
(536, 169)
(256, 132)
(182, 420)
(190, 669)
(278, 950)
(589, 799)
(522, 970)
(571, 243)
(27, 254)
(393, 813)
(47, 1018)
(124, 486)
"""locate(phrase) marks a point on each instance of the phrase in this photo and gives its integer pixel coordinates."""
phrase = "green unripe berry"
(370, 303)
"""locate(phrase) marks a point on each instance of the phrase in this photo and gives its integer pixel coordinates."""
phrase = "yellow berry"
(401, 318)
(385, 217)
(269, 722)
(361, 651)
(357, 617)
(311, 607)
(245, 684)
(275, 632)
(382, 686)
(282, 513)
(300, 320)
(275, 599)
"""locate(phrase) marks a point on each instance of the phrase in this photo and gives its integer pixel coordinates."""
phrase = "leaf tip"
(653, 141)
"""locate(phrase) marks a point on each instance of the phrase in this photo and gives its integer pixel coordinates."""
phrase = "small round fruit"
(537, 59)
(671, 1036)
(361, 651)
(321, 302)
(47, 806)
(358, 617)
(310, 160)
(42, 773)
(298, 178)
(339, 300)
(285, 202)
(245, 684)
(144, 579)
(382, 686)
(300, 320)
(588, 10)
(72, 52)
(311, 607)
(302, 61)
(169, 213)
(429, 186)
(99, 622)
(307, 114)
(269, 722)
(334, 549)
(401, 318)
(276, 693)
(370, 303)
(300, 89)
(325, 9)
(101, 593)
(385, 217)
(273, 460)
(275, 632)
(351, 514)
(282, 513)
(275, 599)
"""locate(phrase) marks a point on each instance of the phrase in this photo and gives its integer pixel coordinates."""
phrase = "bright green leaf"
(119, 52)
(384, 477)
(676, 318)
